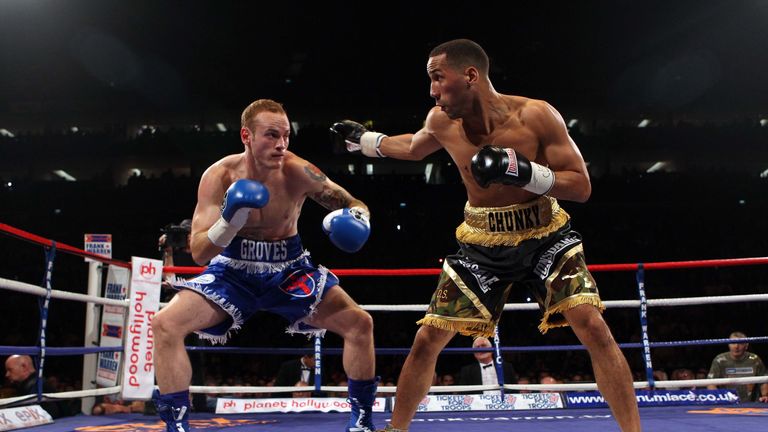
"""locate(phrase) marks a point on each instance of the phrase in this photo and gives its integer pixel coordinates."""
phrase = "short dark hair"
(462, 53)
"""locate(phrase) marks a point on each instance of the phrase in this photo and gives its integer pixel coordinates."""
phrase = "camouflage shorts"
(476, 281)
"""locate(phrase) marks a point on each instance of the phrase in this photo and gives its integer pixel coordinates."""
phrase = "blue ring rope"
(66, 351)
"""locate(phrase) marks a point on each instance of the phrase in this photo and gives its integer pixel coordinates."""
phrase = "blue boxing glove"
(242, 196)
(348, 228)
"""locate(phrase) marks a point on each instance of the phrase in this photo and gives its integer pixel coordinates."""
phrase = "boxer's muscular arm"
(327, 193)
(560, 152)
(209, 196)
(348, 224)
(357, 137)
(414, 146)
(410, 146)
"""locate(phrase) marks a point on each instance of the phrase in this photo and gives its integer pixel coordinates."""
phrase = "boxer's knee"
(590, 327)
(430, 341)
(361, 328)
(364, 322)
(164, 331)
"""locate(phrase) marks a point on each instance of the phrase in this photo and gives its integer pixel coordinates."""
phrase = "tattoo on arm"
(332, 199)
(328, 197)
(314, 173)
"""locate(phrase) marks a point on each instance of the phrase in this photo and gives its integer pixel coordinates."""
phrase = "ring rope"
(66, 351)
(392, 389)
(726, 262)
(33, 238)
(684, 301)
(63, 395)
(58, 294)
(27, 288)
(57, 351)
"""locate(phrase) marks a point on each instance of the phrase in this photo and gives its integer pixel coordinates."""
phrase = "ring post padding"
(318, 364)
(50, 255)
(497, 360)
(644, 325)
(91, 338)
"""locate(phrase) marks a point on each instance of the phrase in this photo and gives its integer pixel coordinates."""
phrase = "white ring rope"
(65, 395)
(672, 384)
(64, 295)
(225, 390)
(685, 301)
(465, 388)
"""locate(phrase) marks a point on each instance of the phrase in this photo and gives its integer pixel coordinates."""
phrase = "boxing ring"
(575, 406)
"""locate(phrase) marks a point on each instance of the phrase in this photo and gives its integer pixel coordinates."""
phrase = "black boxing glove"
(504, 165)
(357, 138)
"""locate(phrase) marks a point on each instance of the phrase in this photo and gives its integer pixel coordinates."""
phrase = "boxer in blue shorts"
(251, 275)
(245, 225)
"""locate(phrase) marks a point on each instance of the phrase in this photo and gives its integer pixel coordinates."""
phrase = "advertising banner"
(658, 397)
(112, 326)
(490, 402)
(144, 302)
(245, 405)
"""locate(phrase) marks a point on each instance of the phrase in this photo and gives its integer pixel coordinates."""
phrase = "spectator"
(524, 380)
(21, 373)
(737, 362)
(701, 374)
(301, 394)
(660, 375)
(447, 379)
(293, 370)
(110, 405)
(483, 371)
(683, 374)
(549, 380)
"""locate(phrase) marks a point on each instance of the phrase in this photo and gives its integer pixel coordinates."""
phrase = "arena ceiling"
(112, 62)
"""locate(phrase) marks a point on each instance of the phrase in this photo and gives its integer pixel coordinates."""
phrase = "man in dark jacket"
(483, 371)
(296, 370)
(21, 373)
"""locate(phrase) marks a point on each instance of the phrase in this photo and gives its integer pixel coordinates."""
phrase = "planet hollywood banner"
(144, 302)
(247, 405)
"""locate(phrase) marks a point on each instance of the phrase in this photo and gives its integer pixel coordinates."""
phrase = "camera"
(176, 235)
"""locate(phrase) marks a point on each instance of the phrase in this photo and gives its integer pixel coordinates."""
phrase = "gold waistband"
(510, 225)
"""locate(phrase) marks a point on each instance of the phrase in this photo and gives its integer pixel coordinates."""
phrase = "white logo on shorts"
(203, 279)
(484, 279)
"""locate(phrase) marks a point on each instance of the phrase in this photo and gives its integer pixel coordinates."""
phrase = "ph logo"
(147, 270)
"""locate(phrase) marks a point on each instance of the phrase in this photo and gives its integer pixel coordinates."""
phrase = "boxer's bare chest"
(279, 218)
(463, 145)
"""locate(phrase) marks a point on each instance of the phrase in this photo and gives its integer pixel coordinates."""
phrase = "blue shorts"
(250, 276)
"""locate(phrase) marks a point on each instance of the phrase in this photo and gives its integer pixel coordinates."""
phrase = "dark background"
(85, 61)
(106, 89)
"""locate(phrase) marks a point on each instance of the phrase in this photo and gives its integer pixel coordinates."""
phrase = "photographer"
(174, 243)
